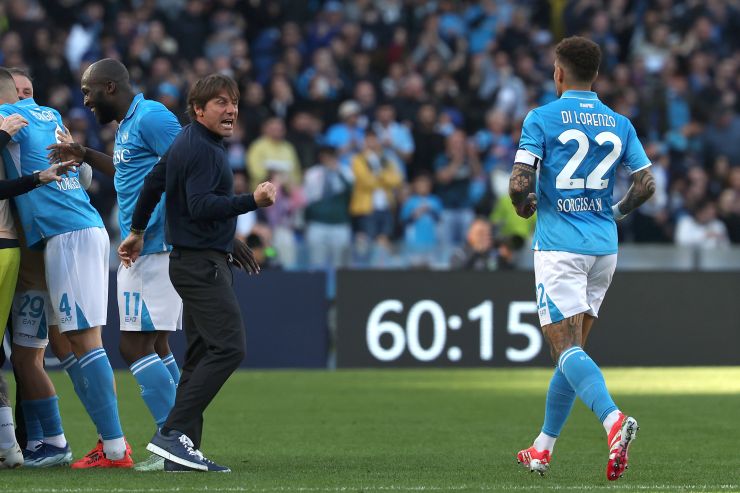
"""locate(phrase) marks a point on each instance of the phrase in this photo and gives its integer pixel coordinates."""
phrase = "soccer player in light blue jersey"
(45, 441)
(564, 169)
(148, 305)
(11, 454)
(60, 218)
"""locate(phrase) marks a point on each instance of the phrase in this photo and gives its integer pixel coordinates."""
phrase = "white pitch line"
(307, 489)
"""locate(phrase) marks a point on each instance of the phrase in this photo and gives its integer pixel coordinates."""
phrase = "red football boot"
(620, 437)
(534, 460)
(96, 458)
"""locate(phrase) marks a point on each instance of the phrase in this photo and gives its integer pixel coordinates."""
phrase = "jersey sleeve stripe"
(641, 168)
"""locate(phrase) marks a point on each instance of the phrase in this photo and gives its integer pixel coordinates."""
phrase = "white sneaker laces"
(188, 444)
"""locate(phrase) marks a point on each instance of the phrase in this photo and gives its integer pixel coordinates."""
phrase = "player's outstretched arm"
(68, 150)
(642, 188)
(522, 189)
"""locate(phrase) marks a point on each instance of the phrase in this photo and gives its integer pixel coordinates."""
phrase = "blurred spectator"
(396, 139)
(253, 111)
(364, 94)
(190, 29)
(412, 95)
(169, 95)
(271, 152)
(729, 205)
(322, 77)
(328, 188)
(428, 141)
(455, 171)
(420, 216)
(480, 252)
(495, 144)
(722, 136)
(266, 256)
(305, 135)
(376, 180)
(509, 225)
(651, 222)
(348, 135)
(702, 228)
(281, 97)
(283, 218)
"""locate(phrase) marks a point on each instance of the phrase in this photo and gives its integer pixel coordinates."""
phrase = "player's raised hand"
(130, 249)
(65, 137)
(66, 151)
(13, 123)
(265, 194)
(529, 207)
(56, 171)
(244, 258)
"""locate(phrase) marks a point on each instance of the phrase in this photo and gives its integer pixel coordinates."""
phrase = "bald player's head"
(107, 70)
(107, 90)
(8, 92)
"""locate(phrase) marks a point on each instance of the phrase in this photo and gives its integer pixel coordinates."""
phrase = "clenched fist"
(529, 207)
(264, 194)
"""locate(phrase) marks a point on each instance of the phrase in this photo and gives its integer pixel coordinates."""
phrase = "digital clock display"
(394, 318)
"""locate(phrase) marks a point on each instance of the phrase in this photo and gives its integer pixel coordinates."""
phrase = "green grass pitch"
(415, 431)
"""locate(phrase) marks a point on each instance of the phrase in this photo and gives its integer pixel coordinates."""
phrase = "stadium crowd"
(389, 126)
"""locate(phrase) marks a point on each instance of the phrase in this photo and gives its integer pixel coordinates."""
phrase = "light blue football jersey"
(54, 208)
(579, 142)
(143, 136)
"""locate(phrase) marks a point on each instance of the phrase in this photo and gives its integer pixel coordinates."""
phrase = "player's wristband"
(618, 216)
(37, 179)
(4, 138)
(138, 232)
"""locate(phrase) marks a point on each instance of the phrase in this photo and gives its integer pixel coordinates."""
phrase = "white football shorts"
(147, 301)
(77, 278)
(31, 305)
(571, 283)
(30, 315)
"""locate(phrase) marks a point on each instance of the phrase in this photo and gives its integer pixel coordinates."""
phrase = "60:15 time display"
(407, 337)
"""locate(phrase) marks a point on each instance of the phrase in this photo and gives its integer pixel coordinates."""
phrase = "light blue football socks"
(34, 431)
(102, 404)
(46, 411)
(157, 386)
(559, 402)
(587, 381)
(171, 364)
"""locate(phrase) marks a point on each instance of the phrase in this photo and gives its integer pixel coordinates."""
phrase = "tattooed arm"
(522, 189)
(643, 187)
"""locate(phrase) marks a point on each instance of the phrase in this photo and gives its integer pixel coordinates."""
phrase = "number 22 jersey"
(576, 143)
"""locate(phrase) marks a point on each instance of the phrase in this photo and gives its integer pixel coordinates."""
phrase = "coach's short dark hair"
(581, 57)
(208, 88)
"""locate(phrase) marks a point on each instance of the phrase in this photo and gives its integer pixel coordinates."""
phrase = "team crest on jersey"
(124, 137)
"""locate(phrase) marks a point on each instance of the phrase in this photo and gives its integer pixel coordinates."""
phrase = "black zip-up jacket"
(201, 207)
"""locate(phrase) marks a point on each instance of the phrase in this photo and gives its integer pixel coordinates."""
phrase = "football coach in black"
(201, 211)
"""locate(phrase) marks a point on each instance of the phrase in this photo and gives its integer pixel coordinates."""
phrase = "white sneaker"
(11, 458)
